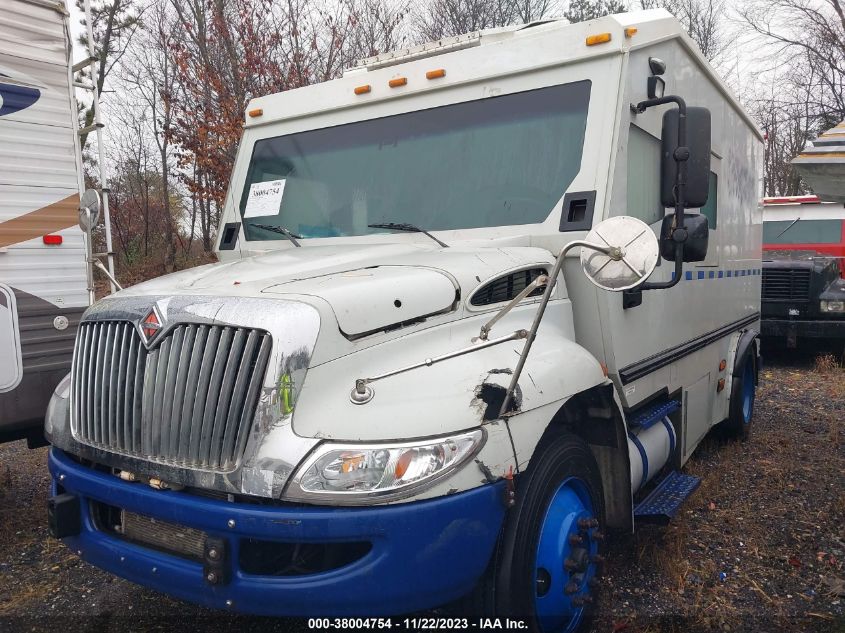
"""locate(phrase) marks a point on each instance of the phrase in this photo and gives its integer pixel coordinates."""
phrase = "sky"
(75, 29)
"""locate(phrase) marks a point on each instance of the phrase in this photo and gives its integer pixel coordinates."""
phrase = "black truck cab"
(803, 289)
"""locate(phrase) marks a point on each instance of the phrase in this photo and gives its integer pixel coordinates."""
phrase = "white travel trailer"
(43, 288)
(347, 415)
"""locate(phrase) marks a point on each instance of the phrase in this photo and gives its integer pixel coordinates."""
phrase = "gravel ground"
(759, 547)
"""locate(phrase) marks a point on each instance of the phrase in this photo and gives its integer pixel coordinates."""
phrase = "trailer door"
(11, 369)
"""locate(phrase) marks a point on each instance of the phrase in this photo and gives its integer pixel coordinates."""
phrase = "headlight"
(58, 405)
(832, 306)
(350, 473)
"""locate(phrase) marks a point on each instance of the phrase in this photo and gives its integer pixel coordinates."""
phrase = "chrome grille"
(786, 284)
(188, 401)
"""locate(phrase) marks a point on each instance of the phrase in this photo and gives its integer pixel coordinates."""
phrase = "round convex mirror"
(631, 253)
(89, 209)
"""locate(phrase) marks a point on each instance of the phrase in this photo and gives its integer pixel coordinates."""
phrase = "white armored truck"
(477, 301)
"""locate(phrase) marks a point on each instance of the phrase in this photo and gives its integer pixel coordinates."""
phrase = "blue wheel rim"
(565, 563)
(747, 392)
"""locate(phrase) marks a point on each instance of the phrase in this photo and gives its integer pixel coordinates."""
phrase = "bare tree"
(786, 132)
(526, 11)
(150, 73)
(443, 18)
(379, 27)
(805, 42)
(114, 23)
(813, 32)
(702, 19)
(583, 10)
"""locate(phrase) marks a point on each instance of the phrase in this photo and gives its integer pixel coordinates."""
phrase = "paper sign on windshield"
(265, 198)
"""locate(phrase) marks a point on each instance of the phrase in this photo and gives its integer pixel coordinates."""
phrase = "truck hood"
(253, 275)
(793, 256)
(368, 287)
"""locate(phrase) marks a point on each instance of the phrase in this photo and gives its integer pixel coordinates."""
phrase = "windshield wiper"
(281, 231)
(794, 222)
(409, 228)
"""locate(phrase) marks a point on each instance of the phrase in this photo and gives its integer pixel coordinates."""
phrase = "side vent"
(507, 287)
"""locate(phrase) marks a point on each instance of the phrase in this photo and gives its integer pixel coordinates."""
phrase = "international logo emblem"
(150, 325)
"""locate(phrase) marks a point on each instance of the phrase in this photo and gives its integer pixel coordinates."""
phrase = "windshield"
(493, 162)
(802, 232)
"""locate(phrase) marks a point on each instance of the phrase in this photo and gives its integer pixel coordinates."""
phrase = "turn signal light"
(52, 240)
(599, 38)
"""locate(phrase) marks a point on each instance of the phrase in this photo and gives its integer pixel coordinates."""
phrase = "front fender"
(450, 396)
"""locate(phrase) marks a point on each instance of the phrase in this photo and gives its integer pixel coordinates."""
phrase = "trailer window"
(492, 162)
(802, 232)
(644, 176)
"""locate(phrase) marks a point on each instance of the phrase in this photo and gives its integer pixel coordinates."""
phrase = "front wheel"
(549, 556)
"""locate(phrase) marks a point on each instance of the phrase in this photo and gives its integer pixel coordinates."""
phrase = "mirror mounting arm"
(541, 309)
(542, 280)
(680, 155)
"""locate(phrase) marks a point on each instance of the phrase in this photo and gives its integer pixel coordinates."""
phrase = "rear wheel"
(743, 392)
(549, 556)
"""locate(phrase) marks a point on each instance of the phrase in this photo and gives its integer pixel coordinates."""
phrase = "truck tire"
(548, 558)
(741, 411)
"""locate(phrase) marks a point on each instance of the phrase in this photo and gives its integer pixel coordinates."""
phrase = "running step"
(653, 414)
(662, 503)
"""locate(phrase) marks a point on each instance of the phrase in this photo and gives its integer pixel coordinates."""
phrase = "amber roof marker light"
(598, 38)
(437, 73)
(397, 81)
(256, 112)
(362, 90)
(631, 31)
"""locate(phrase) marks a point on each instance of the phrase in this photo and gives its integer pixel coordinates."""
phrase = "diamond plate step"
(653, 414)
(662, 503)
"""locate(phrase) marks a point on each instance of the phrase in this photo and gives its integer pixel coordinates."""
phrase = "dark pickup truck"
(803, 296)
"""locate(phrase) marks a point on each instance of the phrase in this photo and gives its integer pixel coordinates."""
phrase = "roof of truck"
(375, 78)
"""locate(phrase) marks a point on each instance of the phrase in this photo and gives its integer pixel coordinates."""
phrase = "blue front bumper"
(423, 554)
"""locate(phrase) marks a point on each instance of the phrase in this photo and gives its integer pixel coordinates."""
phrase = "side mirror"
(619, 253)
(698, 163)
(695, 246)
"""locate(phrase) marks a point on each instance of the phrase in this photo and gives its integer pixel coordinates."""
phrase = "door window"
(644, 176)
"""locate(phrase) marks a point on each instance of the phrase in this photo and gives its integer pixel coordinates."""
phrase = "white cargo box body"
(40, 180)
